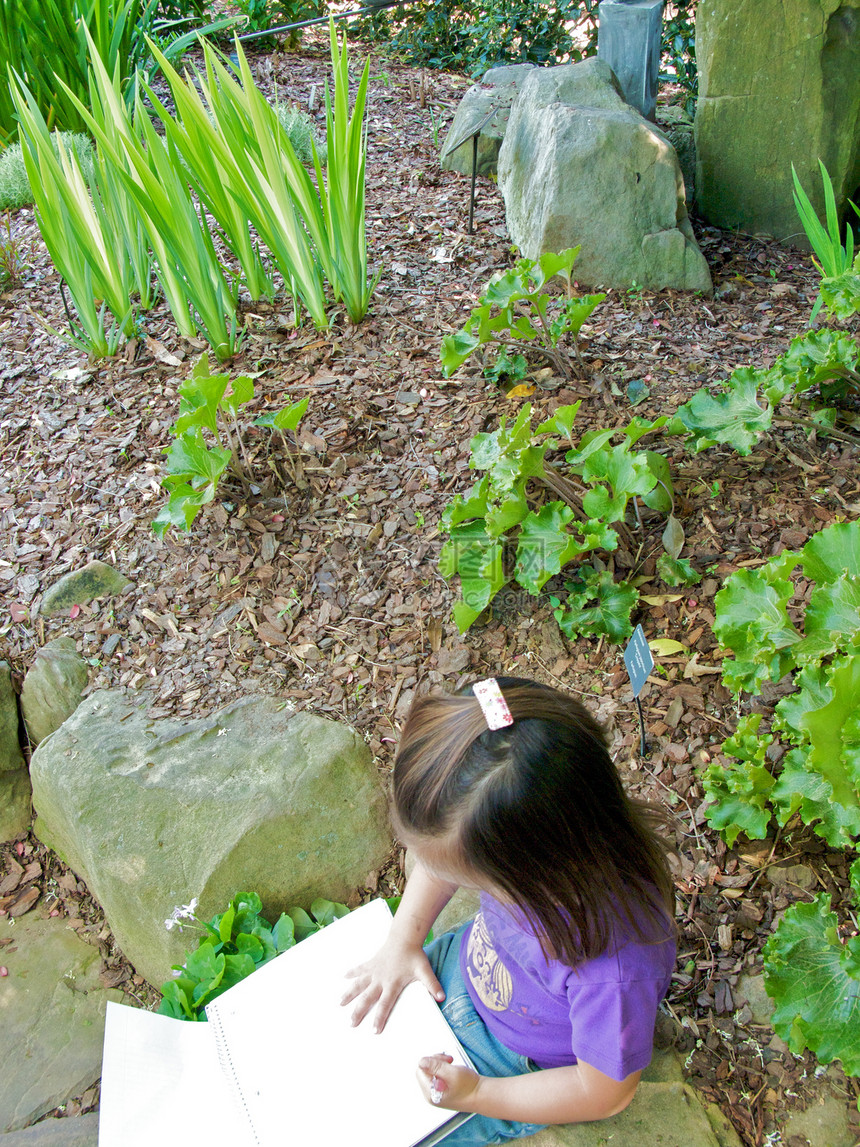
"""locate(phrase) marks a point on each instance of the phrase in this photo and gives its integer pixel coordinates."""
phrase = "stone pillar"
(629, 36)
(779, 84)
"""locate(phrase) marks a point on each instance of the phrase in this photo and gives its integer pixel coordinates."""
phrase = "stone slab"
(52, 688)
(76, 1131)
(496, 90)
(95, 579)
(629, 39)
(52, 1005)
(779, 84)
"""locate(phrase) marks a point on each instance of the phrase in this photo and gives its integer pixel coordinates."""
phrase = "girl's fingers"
(432, 985)
(431, 1064)
(354, 989)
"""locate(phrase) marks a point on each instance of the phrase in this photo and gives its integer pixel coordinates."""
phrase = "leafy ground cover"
(320, 582)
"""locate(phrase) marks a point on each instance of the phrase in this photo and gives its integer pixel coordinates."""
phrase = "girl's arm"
(575, 1094)
(379, 982)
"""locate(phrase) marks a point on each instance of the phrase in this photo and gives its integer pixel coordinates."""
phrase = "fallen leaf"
(74, 611)
(673, 537)
(693, 669)
(24, 901)
(660, 598)
(160, 352)
(664, 646)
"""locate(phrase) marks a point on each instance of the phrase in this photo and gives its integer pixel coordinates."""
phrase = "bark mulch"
(320, 583)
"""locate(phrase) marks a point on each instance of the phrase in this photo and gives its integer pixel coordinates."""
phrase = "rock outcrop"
(53, 688)
(779, 84)
(578, 166)
(151, 814)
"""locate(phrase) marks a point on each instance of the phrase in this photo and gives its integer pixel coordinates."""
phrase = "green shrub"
(301, 132)
(15, 190)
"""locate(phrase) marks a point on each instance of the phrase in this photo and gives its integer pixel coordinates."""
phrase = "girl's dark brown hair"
(539, 812)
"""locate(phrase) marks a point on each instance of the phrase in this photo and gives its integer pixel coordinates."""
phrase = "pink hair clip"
(493, 704)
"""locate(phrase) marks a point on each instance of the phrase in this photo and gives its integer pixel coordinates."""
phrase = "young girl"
(553, 988)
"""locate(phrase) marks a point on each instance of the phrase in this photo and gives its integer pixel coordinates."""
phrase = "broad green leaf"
(249, 945)
(832, 619)
(841, 293)
(834, 733)
(175, 1002)
(740, 789)
(578, 311)
(205, 965)
(455, 350)
(812, 693)
(615, 601)
(241, 391)
(286, 419)
(736, 417)
(544, 546)
(814, 979)
(284, 933)
(832, 552)
(677, 571)
(661, 497)
(799, 789)
(303, 925)
(557, 264)
(673, 537)
(752, 621)
(225, 925)
(189, 456)
(820, 357)
(236, 967)
(465, 507)
(591, 441)
(326, 911)
(562, 421)
(638, 427)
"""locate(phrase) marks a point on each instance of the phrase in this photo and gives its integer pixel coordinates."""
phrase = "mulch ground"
(321, 586)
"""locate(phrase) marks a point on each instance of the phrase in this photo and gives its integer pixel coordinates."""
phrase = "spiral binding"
(226, 1063)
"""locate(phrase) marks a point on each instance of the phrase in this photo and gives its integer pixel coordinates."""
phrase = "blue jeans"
(488, 1055)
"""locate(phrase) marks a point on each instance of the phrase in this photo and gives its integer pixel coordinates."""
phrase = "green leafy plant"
(678, 51)
(210, 403)
(301, 132)
(504, 530)
(245, 168)
(15, 190)
(832, 258)
(76, 229)
(234, 944)
(14, 253)
(515, 311)
(816, 726)
(813, 976)
(450, 34)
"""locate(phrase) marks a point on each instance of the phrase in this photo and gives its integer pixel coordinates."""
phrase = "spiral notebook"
(278, 1062)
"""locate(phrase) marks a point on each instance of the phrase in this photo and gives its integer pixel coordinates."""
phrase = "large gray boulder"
(14, 778)
(495, 92)
(578, 166)
(52, 688)
(779, 84)
(152, 813)
(53, 1008)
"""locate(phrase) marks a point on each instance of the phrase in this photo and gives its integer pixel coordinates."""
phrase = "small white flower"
(182, 912)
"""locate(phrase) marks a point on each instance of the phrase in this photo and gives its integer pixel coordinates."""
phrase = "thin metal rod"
(643, 747)
(324, 19)
(474, 173)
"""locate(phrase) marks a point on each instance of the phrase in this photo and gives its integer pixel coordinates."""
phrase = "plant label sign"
(638, 659)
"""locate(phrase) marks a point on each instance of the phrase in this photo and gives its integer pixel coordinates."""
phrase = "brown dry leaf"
(10, 883)
(160, 352)
(25, 900)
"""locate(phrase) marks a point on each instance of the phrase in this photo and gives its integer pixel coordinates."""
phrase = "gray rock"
(793, 879)
(629, 37)
(580, 167)
(668, 1114)
(96, 579)
(497, 89)
(751, 990)
(823, 1124)
(76, 1131)
(779, 83)
(53, 1008)
(154, 813)
(14, 778)
(52, 688)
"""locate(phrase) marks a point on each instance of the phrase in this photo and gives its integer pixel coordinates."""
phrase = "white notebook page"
(307, 1075)
(162, 1085)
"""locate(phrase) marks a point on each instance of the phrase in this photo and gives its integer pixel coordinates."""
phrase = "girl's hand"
(379, 982)
(443, 1085)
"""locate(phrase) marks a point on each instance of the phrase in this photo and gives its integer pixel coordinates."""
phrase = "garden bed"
(322, 586)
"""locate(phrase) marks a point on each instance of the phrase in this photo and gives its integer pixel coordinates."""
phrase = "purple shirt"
(602, 1011)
